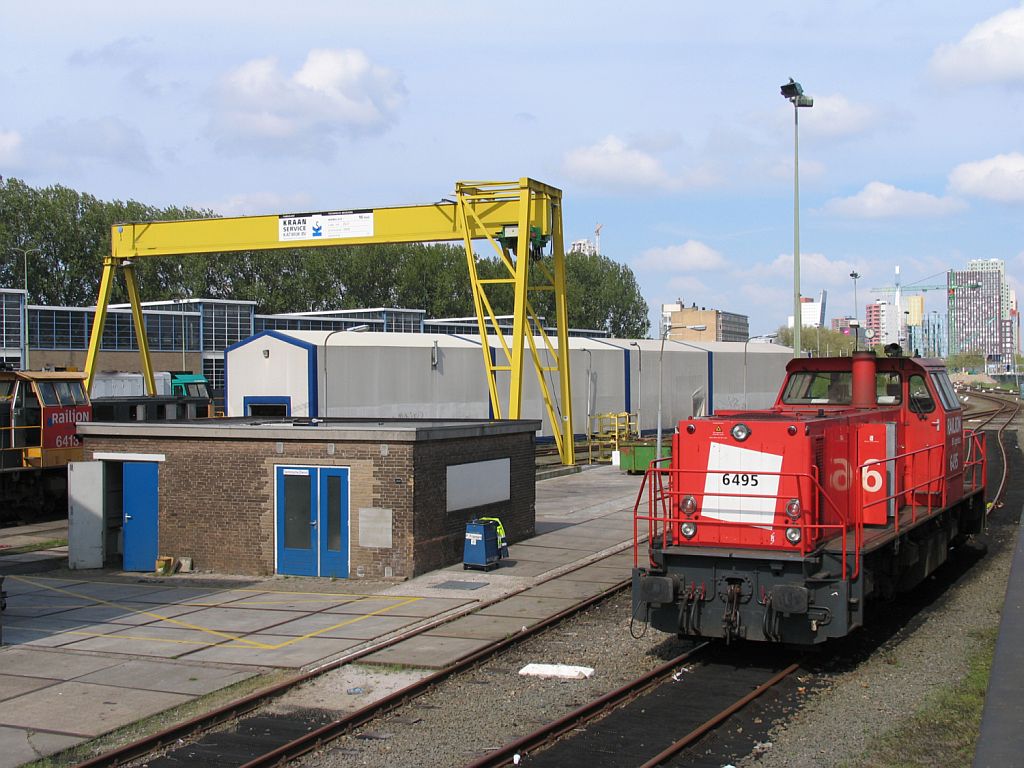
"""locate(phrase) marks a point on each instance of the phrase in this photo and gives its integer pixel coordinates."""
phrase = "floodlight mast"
(794, 93)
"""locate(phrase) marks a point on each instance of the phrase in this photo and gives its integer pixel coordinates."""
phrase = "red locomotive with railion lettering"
(39, 411)
(780, 525)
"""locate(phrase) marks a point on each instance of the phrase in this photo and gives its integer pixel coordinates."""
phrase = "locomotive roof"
(881, 363)
(43, 375)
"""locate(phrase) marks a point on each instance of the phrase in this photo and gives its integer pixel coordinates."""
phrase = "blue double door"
(312, 521)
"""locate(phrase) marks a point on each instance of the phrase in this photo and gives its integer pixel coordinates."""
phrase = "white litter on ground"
(564, 671)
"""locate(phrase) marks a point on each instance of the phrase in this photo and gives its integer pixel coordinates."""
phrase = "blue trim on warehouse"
(627, 389)
(711, 383)
(284, 400)
(311, 361)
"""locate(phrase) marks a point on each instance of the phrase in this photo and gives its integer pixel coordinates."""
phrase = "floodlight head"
(792, 89)
(804, 101)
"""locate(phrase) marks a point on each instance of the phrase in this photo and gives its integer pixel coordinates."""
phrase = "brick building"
(342, 498)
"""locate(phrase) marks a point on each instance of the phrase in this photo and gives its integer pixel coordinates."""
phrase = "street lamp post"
(794, 93)
(24, 321)
(661, 379)
(856, 310)
(639, 385)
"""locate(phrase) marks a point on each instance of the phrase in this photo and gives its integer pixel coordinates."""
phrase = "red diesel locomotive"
(780, 525)
(39, 411)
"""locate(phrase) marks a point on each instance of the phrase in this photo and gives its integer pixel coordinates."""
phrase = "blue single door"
(140, 515)
(312, 521)
(297, 540)
(334, 522)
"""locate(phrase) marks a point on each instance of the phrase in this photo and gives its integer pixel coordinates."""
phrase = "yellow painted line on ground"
(217, 633)
(346, 623)
(184, 624)
(91, 635)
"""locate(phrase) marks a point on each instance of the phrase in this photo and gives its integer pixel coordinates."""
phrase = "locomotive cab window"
(48, 393)
(889, 388)
(819, 388)
(6, 389)
(947, 396)
(921, 400)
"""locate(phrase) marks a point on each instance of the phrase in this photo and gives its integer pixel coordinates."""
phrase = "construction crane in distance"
(597, 238)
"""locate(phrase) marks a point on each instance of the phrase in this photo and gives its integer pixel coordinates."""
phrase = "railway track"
(1000, 412)
(242, 734)
(634, 725)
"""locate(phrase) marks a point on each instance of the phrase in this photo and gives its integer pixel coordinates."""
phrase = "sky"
(660, 121)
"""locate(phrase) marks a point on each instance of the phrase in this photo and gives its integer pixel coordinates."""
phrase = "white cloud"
(992, 52)
(691, 256)
(334, 93)
(816, 269)
(879, 200)
(10, 145)
(612, 163)
(834, 116)
(998, 178)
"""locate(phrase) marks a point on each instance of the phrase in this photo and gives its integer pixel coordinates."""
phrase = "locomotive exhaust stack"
(779, 525)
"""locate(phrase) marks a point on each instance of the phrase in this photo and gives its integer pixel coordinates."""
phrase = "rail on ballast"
(663, 486)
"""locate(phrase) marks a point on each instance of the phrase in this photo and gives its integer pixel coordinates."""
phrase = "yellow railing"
(606, 432)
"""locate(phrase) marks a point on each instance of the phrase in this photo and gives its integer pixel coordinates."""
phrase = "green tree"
(71, 231)
(971, 362)
(821, 342)
(602, 295)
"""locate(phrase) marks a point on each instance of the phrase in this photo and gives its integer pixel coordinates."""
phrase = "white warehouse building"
(406, 375)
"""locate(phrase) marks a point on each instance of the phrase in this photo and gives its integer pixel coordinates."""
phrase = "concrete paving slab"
(428, 650)
(480, 627)
(161, 642)
(201, 596)
(276, 651)
(599, 575)
(399, 605)
(235, 620)
(353, 626)
(59, 665)
(14, 685)
(38, 639)
(168, 676)
(566, 589)
(110, 591)
(54, 624)
(524, 568)
(84, 709)
(18, 585)
(541, 554)
(138, 614)
(527, 606)
(577, 543)
(42, 604)
(291, 601)
(19, 746)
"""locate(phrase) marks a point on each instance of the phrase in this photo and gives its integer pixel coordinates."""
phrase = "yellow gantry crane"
(518, 218)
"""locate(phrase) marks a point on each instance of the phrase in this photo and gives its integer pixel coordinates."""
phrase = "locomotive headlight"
(793, 509)
(741, 432)
(688, 505)
(688, 529)
(793, 535)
